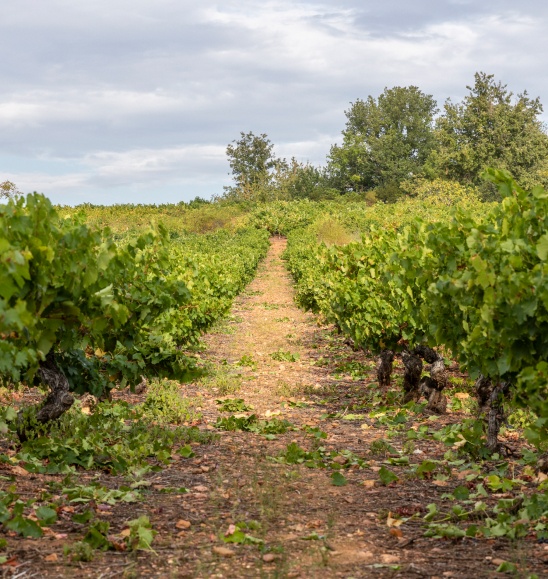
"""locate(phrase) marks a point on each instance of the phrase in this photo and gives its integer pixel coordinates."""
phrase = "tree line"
(396, 141)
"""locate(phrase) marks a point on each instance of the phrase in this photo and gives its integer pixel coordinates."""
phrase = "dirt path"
(310, 527)
(298, 523)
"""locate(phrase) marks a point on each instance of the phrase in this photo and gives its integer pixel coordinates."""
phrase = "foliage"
(8, 190)
(131, 311)
(115, 438)
(488, 129)
(386, 139)
(165, 404)
(471, 279)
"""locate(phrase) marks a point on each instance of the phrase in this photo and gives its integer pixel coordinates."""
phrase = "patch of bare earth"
(310, 527)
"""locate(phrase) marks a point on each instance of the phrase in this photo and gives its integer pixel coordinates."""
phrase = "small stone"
(269, 557)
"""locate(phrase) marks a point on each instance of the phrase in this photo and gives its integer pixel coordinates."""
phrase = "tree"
(8, 190)
(251, 159)
(489, 129)
(386, 140)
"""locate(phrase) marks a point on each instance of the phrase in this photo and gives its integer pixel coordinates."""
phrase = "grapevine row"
(81, 312)
(473, 283)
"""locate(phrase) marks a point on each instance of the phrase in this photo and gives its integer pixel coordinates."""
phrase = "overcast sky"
(113, 101)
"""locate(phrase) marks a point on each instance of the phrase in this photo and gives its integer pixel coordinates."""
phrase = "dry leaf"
(182, 524)
(51, 558)
(125, 533)
(369, 483)
(396, 533)
(388, 559)
(440, 483)
(223, 551)
(462, 395)
(200, 489)
(19, 471)
(390, 522)
(269, 557)
(498, 562)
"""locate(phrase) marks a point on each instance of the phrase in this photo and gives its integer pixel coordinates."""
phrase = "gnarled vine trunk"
(57, 402)
(411, 376)
(431, 387)
(385, 365)
(496, 415)
(491, 403)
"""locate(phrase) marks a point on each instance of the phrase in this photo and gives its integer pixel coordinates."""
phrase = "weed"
(224, 382)
(253, 424)
(381, 447)
(79, 551)
(285, 356)
(248, 361)
(165, 405)
(233, 405)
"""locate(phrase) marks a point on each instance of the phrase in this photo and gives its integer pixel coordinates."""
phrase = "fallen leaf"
(369, 483)
(200, 489)
(125, 533)
(182, 524)
(51, 558)
(388, 559)
(396, 533)
(440, 483)
(391, 522)
(462, 395)
(19, 471)
(223, 552)
(498, 562)
(269, 557)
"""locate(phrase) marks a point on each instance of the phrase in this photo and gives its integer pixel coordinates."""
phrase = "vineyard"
(276, 389)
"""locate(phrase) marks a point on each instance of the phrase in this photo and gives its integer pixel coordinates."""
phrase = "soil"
(310, 527)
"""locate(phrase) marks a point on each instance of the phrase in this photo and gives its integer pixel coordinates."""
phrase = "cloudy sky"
(112, 101)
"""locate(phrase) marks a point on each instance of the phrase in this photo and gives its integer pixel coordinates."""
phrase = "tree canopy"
(491, 129)
(386, 140)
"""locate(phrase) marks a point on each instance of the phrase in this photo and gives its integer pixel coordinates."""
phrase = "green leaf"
(461, 493)
(186, 451)
(46, 515)
(338, 480)
(387, 476)
(542, 247)
(507, 567)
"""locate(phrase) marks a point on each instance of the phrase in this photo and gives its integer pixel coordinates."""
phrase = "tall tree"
(251, 159)
(491, 129)
(386, 140)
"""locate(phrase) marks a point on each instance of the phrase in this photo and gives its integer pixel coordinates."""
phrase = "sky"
(135, 101)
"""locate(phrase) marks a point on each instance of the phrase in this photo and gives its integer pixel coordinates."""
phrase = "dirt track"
(310, 527)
